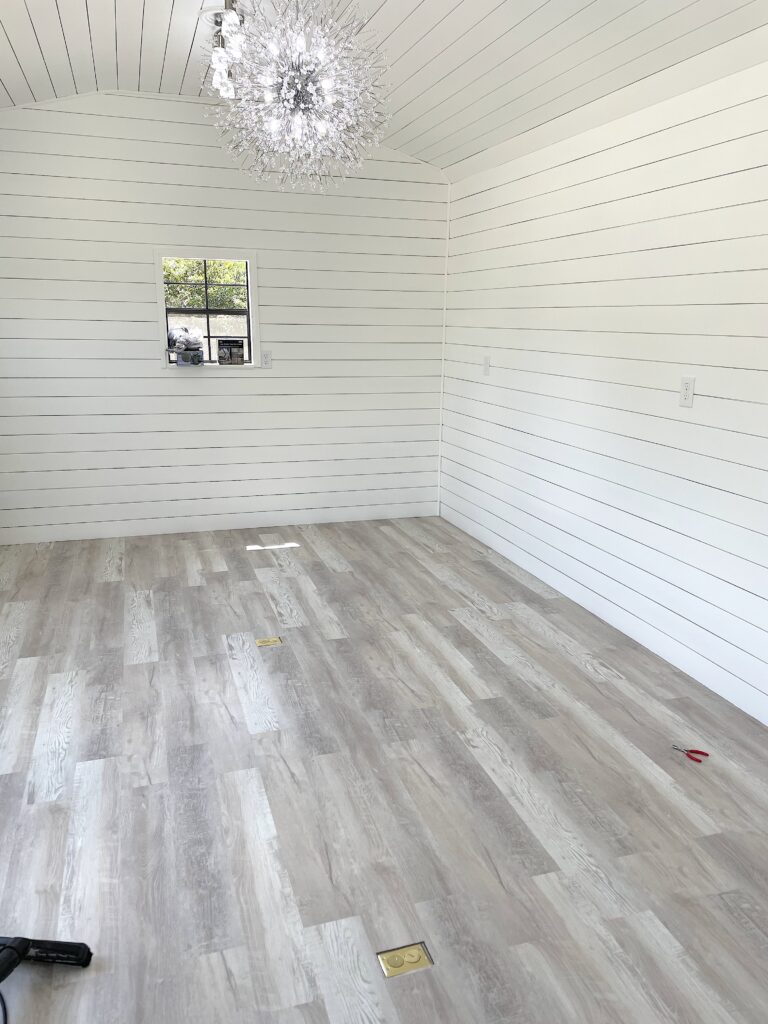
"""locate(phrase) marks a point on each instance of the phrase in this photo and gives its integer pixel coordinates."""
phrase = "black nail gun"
(40, 951)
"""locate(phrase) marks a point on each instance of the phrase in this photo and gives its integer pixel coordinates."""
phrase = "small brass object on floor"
(268, 641)
(404, 959)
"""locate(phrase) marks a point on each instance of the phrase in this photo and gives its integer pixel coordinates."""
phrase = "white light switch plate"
(266, 360)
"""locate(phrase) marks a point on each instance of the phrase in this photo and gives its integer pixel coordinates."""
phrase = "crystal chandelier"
(301, 84)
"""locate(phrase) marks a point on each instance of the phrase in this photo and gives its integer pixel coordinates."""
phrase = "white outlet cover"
(687, 391)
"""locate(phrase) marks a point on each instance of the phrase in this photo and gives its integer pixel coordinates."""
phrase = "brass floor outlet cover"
(268, 641)
(404, 959)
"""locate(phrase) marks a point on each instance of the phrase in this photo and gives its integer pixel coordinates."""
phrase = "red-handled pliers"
(691, 753)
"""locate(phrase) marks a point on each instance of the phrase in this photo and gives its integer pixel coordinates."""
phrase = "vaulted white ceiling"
(467, 75)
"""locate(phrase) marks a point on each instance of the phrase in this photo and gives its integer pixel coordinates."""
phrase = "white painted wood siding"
(595, 274)
(97, 439)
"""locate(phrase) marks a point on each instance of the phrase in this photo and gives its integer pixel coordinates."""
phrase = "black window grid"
(208, 312)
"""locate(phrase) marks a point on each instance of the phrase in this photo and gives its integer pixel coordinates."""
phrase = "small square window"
(210, 300)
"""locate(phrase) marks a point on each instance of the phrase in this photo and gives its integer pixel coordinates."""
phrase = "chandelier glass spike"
(301, 87)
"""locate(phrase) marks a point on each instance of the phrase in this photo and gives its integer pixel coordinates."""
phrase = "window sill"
(201, 367)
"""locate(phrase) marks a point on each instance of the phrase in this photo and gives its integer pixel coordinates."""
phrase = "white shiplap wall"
(594, 274)
(97, 439)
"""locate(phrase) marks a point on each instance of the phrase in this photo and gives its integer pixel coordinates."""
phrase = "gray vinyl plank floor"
(442, 749)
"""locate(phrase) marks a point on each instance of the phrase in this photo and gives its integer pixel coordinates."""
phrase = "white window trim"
(199, 252)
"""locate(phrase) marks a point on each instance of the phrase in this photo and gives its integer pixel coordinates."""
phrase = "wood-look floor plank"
(349, 975)
(281, 964)
(140, 631)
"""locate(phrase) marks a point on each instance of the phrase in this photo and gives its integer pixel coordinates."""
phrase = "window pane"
(185, 296)
(227, 296)
(188, 320)
(183, 270)
(229, 326)
(227, 272)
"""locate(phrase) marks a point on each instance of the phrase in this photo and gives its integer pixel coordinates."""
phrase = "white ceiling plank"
(101, 17)
(198, 60)
(462, 61)
(77, 37)
(48, 29)
(455, 24)
(15, 84)
(155, 37)
(183, 32)
(19, 29)
(129, 18)
(389, 16)
(417, 31)
(206, 83)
